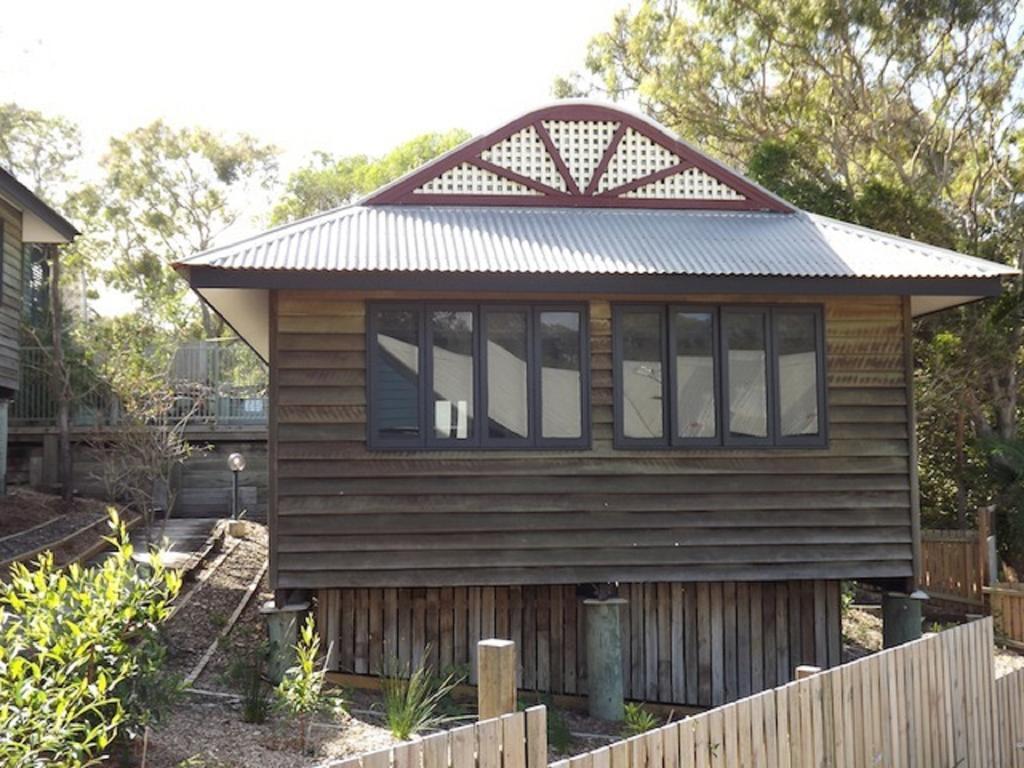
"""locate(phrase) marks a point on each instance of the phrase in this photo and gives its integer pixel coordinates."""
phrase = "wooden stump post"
(496, 678)
(806, 670)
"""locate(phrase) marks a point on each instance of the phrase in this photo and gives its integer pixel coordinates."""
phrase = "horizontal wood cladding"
(10, 295)
(345, 516)
(698, 644)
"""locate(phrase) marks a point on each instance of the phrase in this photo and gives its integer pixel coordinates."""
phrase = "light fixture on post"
(236, 463)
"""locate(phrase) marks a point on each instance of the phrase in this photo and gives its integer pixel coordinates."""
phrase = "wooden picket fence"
(1009, 722)
(1007, 601)
(930, 703)
(954, 566)
(517, 740)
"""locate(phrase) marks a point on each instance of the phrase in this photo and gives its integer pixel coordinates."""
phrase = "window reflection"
(796, 340)
(561, 375)
(507, 382)
(396, 377)
(695, 375)
(747, 374)
(642, 375)
(452, 364)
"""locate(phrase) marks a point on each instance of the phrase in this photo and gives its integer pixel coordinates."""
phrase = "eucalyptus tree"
(904, 116)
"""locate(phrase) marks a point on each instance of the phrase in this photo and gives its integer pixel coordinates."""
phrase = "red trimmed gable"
(578, 155)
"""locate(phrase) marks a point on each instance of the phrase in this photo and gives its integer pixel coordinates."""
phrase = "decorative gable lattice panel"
(578, 155)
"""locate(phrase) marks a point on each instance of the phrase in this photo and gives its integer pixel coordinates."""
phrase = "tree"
(327, 182)
(38, 149)
(167, 195)
(902, 116)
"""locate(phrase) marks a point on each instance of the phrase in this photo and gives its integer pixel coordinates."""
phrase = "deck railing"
(216, 382)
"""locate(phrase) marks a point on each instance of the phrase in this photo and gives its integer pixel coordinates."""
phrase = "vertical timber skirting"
(695, 643)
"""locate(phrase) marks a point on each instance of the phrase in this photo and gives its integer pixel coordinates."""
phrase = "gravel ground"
(862, 635)
(206, 731)
(193, 628)
(29, 520)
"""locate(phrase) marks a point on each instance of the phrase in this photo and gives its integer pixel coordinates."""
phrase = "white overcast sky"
(341, 76)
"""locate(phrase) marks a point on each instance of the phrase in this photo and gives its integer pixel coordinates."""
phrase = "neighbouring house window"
(478, 375)
(706, 375)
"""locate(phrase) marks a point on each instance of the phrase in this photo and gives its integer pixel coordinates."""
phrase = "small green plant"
(245, 674)
(847, 595)
(413, 699)
(301, 693)
(638, 720)
(559, 735)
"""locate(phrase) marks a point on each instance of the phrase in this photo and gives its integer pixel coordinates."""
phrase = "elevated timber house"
(576, 356)
(28, 228)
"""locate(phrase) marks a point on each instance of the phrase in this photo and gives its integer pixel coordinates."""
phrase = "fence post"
(496, 678)
(806, 670)
(985, 560)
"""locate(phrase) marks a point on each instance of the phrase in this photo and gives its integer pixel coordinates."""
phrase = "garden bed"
(32, 522)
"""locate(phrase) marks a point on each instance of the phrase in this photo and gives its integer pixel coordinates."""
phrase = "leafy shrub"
(301, 693)
(638, 720)
(80, 655)
(413, 699)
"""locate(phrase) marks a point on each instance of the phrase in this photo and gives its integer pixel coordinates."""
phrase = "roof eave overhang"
(392, 280)
(41, 223)
(241, 297)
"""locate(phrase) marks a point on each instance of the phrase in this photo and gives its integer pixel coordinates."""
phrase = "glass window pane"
(796, 340)
(561, 387)
(451, 334)
(748, 390)
(507, 383)
(642, 391)
(695, 374)
(396, 403)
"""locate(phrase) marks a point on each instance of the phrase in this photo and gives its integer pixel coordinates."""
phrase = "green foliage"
(413, 698)
(559, 735)
(301, 693)
(847, 594)
(905, 117)
(39, 150)
(80, 655)
(638, 720)
(245, 674)
(328, 182)
(167, 194)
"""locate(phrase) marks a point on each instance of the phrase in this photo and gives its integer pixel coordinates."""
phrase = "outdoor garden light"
(236, 463)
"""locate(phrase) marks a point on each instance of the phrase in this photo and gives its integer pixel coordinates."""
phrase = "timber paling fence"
(517, 740)
(1007, 602)
(932, 703)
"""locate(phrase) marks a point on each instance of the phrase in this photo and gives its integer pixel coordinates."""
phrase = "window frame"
(821, 438)
(723, 440)
(479, 439)
(372, 357)
(672, 418)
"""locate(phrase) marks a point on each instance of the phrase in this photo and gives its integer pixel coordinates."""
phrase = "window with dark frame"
(706, 375)
(492, 376)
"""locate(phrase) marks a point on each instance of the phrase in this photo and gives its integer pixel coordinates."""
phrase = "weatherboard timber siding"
(345, 516)
(664, 628)
(10, 295)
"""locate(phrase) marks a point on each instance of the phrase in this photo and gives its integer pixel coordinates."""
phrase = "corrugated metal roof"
(590, 241)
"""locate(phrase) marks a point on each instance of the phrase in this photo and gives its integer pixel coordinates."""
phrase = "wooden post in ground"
(806, 670)
(985, 563)
(496, 678)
